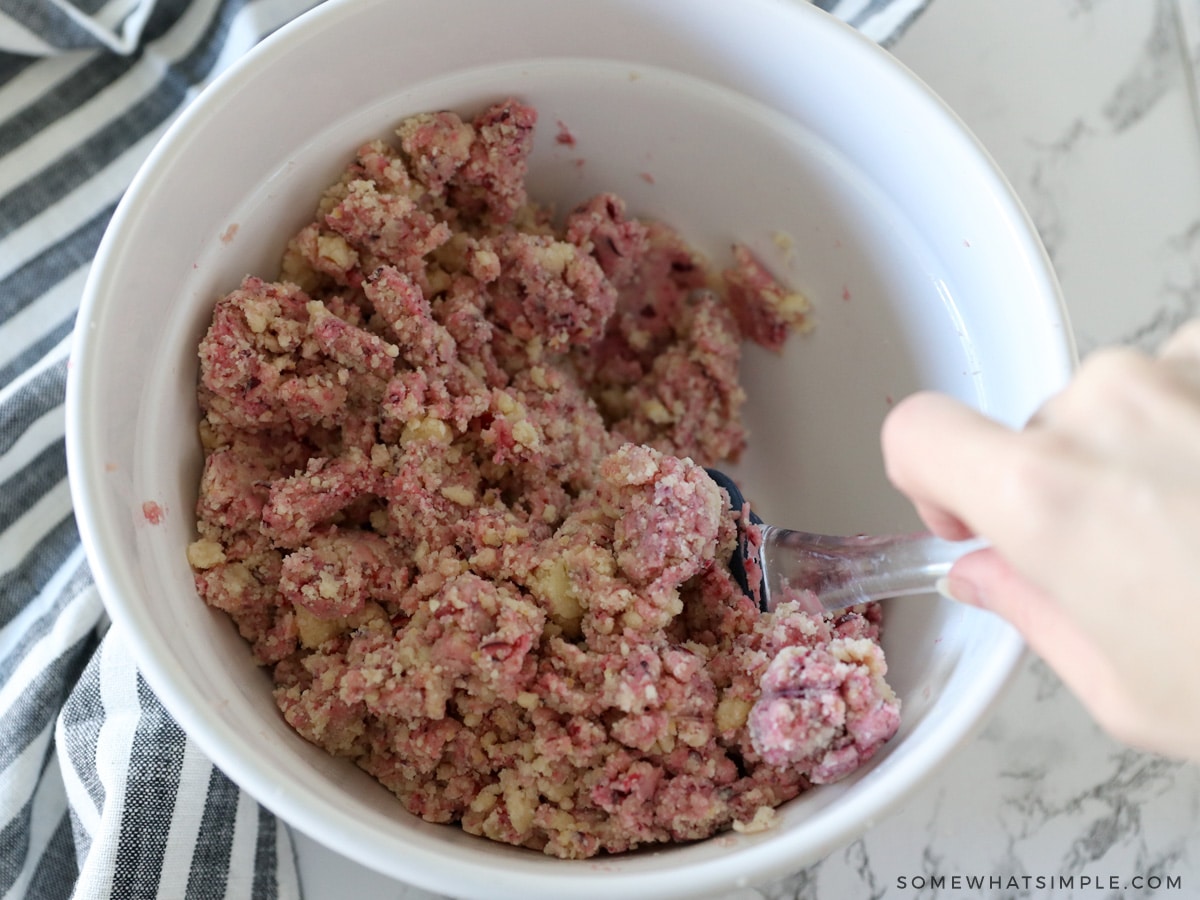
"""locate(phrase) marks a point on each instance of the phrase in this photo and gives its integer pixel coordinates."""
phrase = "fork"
(827, 573)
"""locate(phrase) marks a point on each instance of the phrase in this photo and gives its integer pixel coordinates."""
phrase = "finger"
(1123, 401)
(951, 461)
(1180, 353)
(1029, 492)
(1184, 343)
(1102, 397)
(942, 523)
(922, 434)
(984, 579)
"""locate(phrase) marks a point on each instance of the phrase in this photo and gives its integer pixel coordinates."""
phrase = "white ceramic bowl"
(757, 120)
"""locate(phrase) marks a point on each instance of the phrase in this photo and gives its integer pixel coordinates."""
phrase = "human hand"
(1092, 512)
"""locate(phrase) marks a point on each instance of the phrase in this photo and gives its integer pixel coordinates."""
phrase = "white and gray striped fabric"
(101, 794)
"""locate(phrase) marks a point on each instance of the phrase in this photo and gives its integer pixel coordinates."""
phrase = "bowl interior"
(907, 294)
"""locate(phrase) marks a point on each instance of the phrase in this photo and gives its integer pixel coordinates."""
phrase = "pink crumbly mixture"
(452, 497)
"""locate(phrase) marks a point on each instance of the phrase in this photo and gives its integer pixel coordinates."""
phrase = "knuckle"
(1040, 484)
(1109, 371)
(1184, 342)
(1104, 377)
(1132, 391)
(1032, 472)
(1119, 393)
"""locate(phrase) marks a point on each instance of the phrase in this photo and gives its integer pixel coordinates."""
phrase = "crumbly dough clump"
(453, 498)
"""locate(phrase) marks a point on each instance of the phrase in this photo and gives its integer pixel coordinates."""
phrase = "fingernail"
(958, 590)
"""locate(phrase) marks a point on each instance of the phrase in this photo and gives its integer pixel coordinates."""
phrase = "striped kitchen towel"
(101, 794)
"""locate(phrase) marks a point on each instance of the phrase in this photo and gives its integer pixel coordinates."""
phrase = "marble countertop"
(1092, 109)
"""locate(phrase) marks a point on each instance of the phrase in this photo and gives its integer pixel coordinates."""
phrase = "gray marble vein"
(1158, 69)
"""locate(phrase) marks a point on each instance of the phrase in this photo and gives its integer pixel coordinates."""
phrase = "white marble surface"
(1091, 109)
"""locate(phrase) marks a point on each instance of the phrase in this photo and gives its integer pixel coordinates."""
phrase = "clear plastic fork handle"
(844, 571)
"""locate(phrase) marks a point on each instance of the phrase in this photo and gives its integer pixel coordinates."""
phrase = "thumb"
(984, 579)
